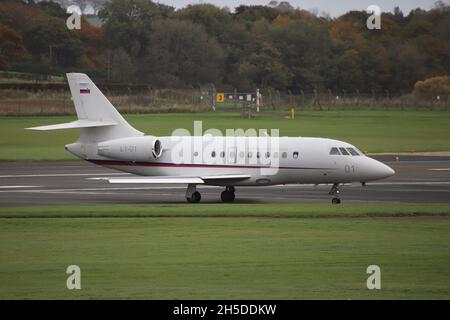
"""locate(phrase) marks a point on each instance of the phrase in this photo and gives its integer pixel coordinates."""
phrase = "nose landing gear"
(335, 191)
(228, 194)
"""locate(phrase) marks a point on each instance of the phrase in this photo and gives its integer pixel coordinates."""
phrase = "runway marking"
(357, 184)
(106, 189)
(94, 189)
(439, 169)
(14, 187)
(410, 183)
(61, 175)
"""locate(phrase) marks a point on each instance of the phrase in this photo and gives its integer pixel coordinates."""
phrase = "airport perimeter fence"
(56, 100)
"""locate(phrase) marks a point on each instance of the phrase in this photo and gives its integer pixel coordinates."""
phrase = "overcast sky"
(332, 7)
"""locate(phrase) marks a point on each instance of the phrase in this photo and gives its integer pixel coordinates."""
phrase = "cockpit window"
(344, 152)
(334, 151)
(353, 152)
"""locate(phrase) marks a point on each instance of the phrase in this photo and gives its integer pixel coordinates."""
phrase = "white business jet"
(107, 139)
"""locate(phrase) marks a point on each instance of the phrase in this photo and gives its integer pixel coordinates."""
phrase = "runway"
(420, 179)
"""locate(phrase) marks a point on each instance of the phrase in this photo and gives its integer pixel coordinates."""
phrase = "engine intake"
(131, 149)
(157, 148)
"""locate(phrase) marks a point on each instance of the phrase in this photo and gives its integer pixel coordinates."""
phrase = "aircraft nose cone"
(388, 171)
(376, 170)
(384, 171)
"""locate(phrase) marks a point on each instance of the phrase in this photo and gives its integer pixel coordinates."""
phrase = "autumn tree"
(305, 49)
(433, 87)
(128, 22)
(11, 47)
(50, 39)
(250, 46)
(182, 52)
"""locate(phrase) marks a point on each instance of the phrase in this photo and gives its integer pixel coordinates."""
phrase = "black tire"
(335, 201)
(227, 196)
(195, 197)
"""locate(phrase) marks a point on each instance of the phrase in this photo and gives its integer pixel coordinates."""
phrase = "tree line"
(251, 46)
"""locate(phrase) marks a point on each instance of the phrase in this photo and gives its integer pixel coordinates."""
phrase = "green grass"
(194, 252)
(230, 210)
(371, 131)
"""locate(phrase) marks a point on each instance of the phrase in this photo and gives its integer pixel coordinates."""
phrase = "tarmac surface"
(420, 179)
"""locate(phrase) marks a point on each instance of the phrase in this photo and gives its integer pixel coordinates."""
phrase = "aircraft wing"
(176, 179)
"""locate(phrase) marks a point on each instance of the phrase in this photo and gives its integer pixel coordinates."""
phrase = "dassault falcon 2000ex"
(107, 139)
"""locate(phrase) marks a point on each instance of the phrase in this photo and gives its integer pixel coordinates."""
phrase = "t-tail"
(98, 120)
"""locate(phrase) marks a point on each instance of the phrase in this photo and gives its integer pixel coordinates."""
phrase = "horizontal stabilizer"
(74, 125)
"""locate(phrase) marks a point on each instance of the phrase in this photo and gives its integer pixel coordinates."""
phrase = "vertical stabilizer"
(92, 105)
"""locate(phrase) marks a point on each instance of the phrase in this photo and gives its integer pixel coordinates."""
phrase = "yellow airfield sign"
(220, 97)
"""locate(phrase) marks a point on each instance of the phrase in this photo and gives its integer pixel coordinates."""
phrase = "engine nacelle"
(131, 149)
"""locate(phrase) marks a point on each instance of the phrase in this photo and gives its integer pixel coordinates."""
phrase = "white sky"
(334, 8)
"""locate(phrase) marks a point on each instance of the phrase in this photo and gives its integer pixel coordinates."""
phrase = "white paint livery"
(108, 140)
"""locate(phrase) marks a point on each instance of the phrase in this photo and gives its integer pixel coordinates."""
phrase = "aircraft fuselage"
(295, 160)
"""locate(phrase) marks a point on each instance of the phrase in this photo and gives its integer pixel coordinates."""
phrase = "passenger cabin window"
(267, 154)
(295, 154)
(335, 151)
(344, 152)
(284, 155)
(353, 152)
(213, 154)
(222, 154)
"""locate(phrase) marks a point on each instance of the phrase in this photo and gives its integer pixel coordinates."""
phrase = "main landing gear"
(192, 195)
(228, 194)
(335, 191)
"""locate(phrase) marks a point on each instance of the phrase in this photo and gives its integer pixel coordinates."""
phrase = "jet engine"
(131, 149)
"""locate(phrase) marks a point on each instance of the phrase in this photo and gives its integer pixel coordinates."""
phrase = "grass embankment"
(217, 257)
(371, 131)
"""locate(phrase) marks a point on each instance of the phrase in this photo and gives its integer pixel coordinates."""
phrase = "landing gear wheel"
(335, 201)
(195, 197)
(335, 191)
(227, 196)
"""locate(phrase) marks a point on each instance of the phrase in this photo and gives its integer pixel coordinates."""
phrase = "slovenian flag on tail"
(85, 90)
